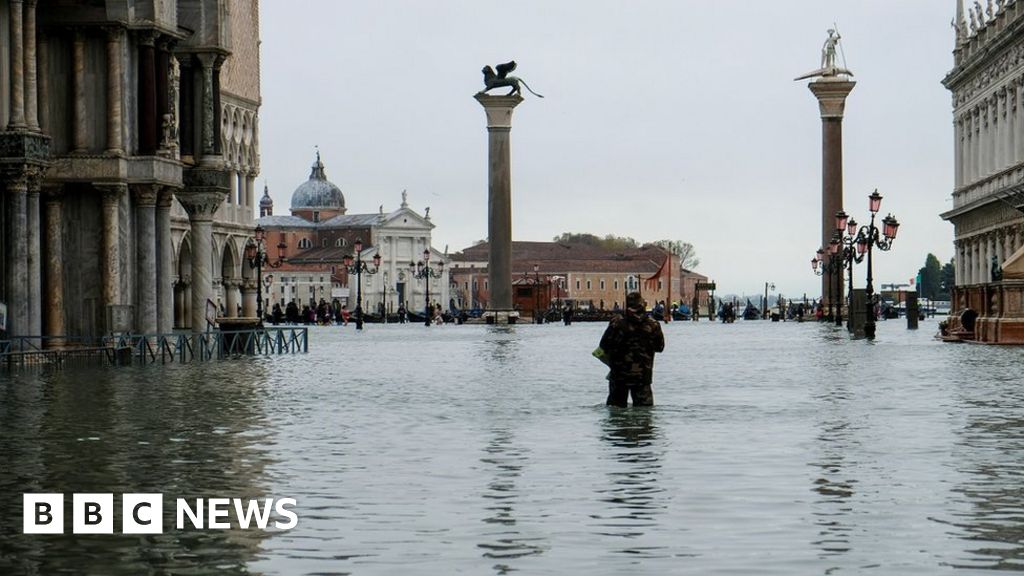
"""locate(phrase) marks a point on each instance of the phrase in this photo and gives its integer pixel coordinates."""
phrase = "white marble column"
(54, 265)
(957, 148)
(114, 99)
(146, 257)
(17, 23)
(1018, 126)
(249, 298)
(957, 259)
(967, 153)
(111, 256)
(1011, 127)
(79, 130)
(231, 298)
(233, 195)
(250, 189)
(31, 68)
(17, 257)
(201, 207)
(35, 247)
(164, 262)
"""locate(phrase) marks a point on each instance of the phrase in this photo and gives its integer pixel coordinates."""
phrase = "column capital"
(111, 191)
(114, 33)
(831, 93)
(498, 109)
(201, 206)
(53, 192)
(165, 197)
(147, 37)
(145, 194)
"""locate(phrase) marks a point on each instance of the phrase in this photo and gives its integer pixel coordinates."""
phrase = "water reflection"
(991, 453)
(504, 460)
(832, 481)
(633, 496)
(112, 432)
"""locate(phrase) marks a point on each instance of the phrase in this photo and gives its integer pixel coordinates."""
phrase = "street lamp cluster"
(851, 245)
(256, 254)
(358, 267)
(423, 270)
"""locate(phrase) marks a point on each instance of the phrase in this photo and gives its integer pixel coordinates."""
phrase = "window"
(316, 216)
(602, 284)
(340, 243)
(487, 285)
(323, 243)
(659, 285)
(577, 284)
(616, 284)
(305, 243)
(588, 284)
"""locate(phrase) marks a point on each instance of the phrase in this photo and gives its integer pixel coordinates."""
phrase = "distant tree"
(609, 242)
(931, 278)
(948, 281)
(684, 250)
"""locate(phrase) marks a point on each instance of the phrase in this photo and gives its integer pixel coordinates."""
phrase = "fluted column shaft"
(54, 264)
(146, 257)
(31, 86)
(114, 122)
(164, 262)
(17, 119)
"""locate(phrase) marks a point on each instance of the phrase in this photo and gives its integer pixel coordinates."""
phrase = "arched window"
(339, 243)
(305, 243)
(323, 243)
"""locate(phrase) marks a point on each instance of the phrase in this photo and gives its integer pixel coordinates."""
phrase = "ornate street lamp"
(870, 237)
(821, 266)
(256, 254)
(423, 270)
(851, 253)
(358, 267)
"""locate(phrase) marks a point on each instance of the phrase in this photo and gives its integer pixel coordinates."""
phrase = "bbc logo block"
(43, 514)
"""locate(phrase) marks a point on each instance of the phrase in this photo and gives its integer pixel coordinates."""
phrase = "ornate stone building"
(987, 84)
(128, 155)
(319, 233)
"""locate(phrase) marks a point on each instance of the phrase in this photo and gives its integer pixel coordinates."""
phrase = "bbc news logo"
(143, 513)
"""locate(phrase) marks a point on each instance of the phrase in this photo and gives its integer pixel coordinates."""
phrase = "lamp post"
(537, 316)
(358, 267)
(851, 255)
(820, 267)
(256, 254)
(764, 308)
(868, 238)
(425, 271)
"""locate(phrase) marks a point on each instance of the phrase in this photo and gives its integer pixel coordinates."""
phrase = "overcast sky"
(661, 119)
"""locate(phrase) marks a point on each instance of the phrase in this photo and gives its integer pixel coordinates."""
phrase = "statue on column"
(501, 79)
(828, 59)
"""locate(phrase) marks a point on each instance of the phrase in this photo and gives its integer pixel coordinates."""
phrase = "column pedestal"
(499, 193)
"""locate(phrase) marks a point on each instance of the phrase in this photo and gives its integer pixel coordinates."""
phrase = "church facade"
(987, 85)
(128, 154)
(317, 235)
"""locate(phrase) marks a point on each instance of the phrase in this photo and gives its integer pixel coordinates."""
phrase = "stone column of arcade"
(201, 207)
(111, 265)
(146, 257)
(831, 92)
(54, 265)
(499, 205)
(164, 262)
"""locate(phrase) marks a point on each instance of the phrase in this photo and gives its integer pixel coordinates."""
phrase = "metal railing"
(129, 349)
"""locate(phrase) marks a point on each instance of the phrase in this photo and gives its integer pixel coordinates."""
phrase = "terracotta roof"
(558, 258)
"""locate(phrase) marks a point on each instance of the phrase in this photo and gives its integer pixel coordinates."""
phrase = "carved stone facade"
(987, 85)
(114, 117)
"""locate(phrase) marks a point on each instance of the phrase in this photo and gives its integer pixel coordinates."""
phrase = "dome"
(318, 193)
(266, 201)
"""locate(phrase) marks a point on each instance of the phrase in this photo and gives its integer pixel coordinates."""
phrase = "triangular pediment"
(406, 218)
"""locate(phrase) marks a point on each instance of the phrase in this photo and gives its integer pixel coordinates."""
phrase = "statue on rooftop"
(501, 79)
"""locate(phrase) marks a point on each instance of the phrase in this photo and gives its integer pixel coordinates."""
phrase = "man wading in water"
(629, 344)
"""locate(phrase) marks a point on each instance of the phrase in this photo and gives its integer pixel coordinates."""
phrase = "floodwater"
(778, 448)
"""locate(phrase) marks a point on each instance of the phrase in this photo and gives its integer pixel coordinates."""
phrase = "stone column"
(250, 188)
(43, 85)
(249, 298)
(31, 85)
(35, 308)
(164, 262)
(54, 265)
(79, 130)
(201, 207)
(958, 146)
(233, 194)
(231, 298)
(111, 256)
(1018, 89)
(967, 152)
(146, 257)
(1010, 159)
(17, 256)
(831, 92)
(208, 113)
(147, 93)
(499, 184)
(977, 151)
(17, 120)
(114, 123)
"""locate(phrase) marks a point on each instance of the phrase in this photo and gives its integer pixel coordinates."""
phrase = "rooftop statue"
(501, 78)
(828, 60)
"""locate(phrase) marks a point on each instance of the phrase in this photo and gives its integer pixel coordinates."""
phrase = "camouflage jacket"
(631, 343)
